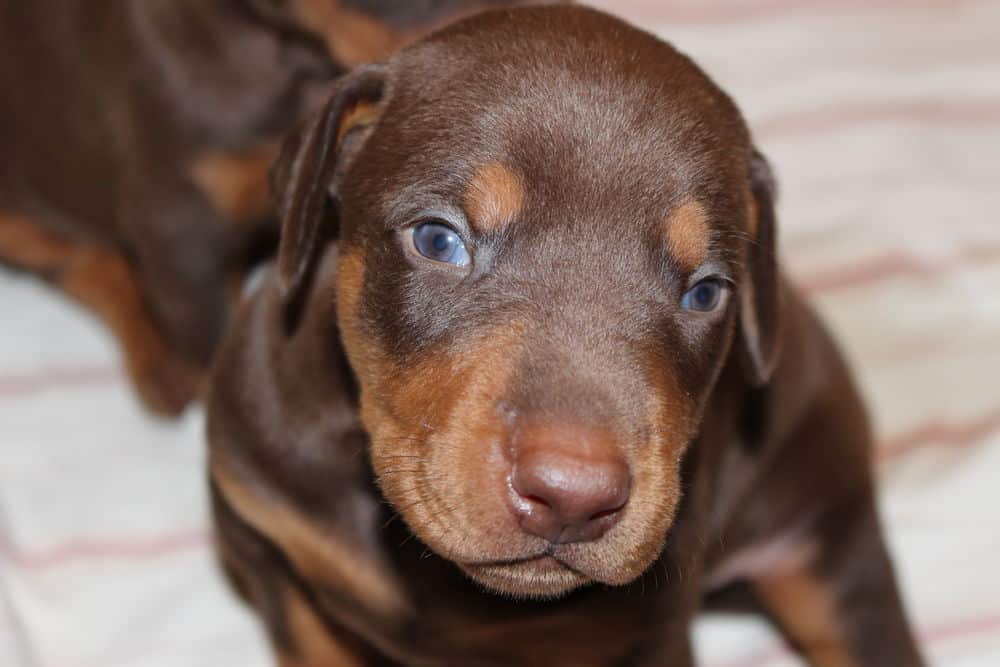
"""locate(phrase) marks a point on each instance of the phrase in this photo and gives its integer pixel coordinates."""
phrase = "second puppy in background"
(137, 136)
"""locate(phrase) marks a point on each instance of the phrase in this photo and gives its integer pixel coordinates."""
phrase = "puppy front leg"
(259, 573)
(675, 652)
(310, 642)
(839, 603)
(101, 278)
(676, 608)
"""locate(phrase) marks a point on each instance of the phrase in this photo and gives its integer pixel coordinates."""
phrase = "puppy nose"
(569, 483)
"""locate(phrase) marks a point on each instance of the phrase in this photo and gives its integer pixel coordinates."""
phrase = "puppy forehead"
(547, 52)
(505, 111)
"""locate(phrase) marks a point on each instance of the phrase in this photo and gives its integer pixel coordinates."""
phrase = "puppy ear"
(303, 176)
(760, 299)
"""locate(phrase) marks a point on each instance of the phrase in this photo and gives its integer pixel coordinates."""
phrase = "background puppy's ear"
(303, 176)
(760, 302)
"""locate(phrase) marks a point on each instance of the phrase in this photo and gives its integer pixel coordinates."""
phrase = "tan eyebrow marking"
(494, 197)
(688, 234)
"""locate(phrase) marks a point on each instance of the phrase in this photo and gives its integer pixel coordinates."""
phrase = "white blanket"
(882, 119)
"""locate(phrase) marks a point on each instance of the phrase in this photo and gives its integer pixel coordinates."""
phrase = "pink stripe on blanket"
(58, 378)
(932, 634)
(82, 549)
(940, 434)
(894, 264)
(953, 111)
(677, 12)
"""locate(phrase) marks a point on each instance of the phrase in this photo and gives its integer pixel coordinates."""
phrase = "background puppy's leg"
(101, 278)
(180, 251)
(837, 600)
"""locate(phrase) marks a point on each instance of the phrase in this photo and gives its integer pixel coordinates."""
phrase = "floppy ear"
(303, 176)
(760, 302)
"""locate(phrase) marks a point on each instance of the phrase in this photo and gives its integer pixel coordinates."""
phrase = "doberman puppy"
(525, 384)
(136, 139)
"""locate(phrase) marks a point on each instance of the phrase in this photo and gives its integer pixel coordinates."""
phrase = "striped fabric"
(882, 118)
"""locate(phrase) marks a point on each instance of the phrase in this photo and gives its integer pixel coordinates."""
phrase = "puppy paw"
(165, 384)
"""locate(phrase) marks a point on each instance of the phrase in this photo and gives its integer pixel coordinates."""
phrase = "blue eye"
(441, 243)
(705, 296)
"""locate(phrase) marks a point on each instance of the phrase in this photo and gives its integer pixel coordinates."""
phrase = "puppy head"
(550, 228)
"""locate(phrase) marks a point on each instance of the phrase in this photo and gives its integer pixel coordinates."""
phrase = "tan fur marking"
(352, 37)
(101, 279)
(806, 609)
(688, 233)
(314, 646)
(350, 281)
(753, 222)
(28, 246)
(440, 410)
(494, 197)
(443, 411)
(366, 359)
(362, 113)
(237, 183)
(316, 553)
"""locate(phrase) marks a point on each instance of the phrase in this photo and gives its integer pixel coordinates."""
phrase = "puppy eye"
(705, 296)
(439, 242)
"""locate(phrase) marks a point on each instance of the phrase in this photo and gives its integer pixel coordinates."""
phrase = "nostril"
(537, 499)
(596, 516)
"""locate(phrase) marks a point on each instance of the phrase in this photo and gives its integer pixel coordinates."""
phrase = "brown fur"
(237, 183)
(312, 643)
(806, 609)
(103, 280)
(393, 398)
(324, 559)
(24, 245)
(355, 38)
(171, 112)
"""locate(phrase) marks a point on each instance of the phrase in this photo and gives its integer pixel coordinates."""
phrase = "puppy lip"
(546, 559)
(504, 562)
(538, 576)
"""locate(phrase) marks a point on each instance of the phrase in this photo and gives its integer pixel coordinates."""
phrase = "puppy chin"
(561, 569)
(539, 578)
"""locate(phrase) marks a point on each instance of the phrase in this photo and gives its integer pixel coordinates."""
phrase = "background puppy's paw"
(165, 383)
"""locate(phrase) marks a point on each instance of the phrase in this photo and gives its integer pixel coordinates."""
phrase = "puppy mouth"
(541, 575)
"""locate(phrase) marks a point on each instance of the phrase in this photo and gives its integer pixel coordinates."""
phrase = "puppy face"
(544, 221)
